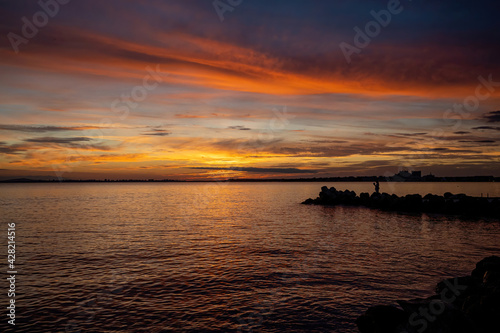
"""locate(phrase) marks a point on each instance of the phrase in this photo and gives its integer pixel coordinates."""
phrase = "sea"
(223, 257)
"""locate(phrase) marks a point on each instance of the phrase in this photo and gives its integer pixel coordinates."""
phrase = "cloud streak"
(48, 139)
(493, 128)
(492, 117)
(44, 129)
(260, 170)
(241, 128)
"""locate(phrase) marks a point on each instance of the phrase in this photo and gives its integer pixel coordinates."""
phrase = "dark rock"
(433, 315)
(447, 204)
(491, 278)
(309, 202)
(381, 319)
(364, 196)
(468, 304)
(491, 264)
(462, 283)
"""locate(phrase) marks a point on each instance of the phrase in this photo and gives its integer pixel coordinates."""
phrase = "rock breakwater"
(448, 203)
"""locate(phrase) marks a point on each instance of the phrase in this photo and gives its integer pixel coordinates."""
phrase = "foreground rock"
(469, 304)
(447, 204)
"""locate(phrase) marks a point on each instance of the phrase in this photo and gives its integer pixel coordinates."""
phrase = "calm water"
(242, 257)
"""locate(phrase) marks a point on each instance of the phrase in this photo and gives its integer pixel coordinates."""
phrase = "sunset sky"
(197, 89)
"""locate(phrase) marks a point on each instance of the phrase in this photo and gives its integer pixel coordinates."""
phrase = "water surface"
(160, 257)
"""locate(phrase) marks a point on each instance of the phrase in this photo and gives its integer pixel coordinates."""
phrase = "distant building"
(430, 178)
(405, 175)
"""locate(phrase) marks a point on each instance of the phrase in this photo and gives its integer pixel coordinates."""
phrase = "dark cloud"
(11, 149)
(49, 139)
(479, 141)
(336, 150)
(241, 128)
(492, 117)
(493, 128)
(327, 141)
(435, 149)
(459, 138)
(447, 150)
(411, 134)
(71, 142)
(415, 136)
(246, 145)
(42, 128)
(461, 132)
(259, 170)
(158, 132)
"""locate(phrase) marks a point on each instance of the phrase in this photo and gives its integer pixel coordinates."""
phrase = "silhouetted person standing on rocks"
(377, 187)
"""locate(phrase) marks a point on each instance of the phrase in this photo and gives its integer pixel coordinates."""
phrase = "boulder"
(468, 304)
(381, 319)
(491, 264)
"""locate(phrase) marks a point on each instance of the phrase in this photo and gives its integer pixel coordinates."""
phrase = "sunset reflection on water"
(222, 257)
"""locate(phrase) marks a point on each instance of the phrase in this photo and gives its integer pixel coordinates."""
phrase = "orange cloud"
(220, 65)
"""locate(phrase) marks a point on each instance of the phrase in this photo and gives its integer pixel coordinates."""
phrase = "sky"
(204, 90)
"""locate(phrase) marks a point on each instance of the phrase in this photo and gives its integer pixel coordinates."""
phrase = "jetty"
(457, 204)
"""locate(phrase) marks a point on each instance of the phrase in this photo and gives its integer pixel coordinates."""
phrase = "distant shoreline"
(470, 179)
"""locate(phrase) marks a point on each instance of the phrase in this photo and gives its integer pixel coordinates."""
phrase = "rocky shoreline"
(469, 304)
(448, 203)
